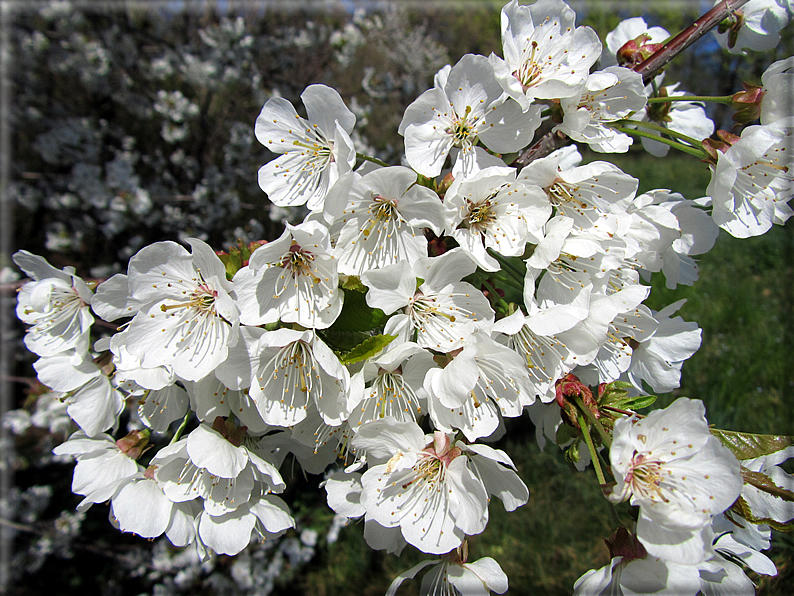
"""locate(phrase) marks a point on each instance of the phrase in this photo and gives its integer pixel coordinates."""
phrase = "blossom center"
(561, 195)
(645, 478)
(202, 299)
(463, 130)
(481, 215)
(529, 72)
(297, 260)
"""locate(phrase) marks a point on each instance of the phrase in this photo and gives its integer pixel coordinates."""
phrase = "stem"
(726, 99)
(181, 428)
(676, 145)
(605, 438)
(665, 131)
(498, 299)
(372, 159)
(648, 68)
(591, 447)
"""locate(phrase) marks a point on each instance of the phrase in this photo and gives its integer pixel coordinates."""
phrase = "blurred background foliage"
(133, 123)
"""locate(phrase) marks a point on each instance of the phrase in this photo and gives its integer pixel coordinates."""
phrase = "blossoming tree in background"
(383, 341)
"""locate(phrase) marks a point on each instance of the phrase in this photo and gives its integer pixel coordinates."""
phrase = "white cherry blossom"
(442, 311)
(672, 467)
(219, 464)
(292, 370)
(293, 279)
(431, 488)
(545, 55)
(590, 194)
(102, 467)
(188, 319)
(492, 210)
(56, 304)
(777, 82)
(93, 403)
(315, 152)
(383, 219)
(759, 25)
(390, 385)
(751, 184)
(657, 359)
(483, 380)
(608, 95)
(468, 107)
(452, 574)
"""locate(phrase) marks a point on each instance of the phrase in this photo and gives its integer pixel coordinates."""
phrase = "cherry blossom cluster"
(384, 340)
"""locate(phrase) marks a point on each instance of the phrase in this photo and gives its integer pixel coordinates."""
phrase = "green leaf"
(342, 341)
(741, 508)
(635, 403)
(367, 348)
(357, 315)
(763, 482)
(749, 446)
(613, 392)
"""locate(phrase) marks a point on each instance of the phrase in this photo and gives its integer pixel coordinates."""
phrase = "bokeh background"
(126, 123)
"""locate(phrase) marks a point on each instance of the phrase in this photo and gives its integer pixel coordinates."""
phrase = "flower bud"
(733, 23)
(227, 429)
(747, 103)
(635, 51)
(569, 387)
(711, 146)
(135, 443)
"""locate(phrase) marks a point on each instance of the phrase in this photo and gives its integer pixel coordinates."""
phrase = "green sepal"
(749, 445)
(426, 182)
(565, 434)
(741, 508)
(367, 349)
(572, 452)
(352, 282)
(357, 315)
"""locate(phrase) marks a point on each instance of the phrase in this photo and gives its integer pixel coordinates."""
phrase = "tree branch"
(686, 38)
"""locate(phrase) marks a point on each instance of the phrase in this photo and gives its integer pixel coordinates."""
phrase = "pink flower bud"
(635, 51)
(747, 103)
(135, 443)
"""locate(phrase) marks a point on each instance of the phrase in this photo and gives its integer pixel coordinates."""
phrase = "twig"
(648, 68)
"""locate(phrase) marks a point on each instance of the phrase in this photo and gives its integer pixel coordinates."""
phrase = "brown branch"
(552, 141)
(654, 63)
